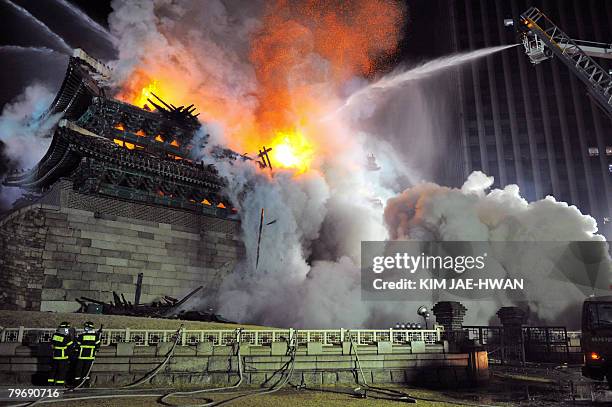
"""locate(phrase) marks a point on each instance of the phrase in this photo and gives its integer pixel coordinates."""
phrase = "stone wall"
(22, 243)
(205, 364)
(53, 252)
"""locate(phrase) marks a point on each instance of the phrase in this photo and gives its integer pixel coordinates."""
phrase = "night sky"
(21, 69)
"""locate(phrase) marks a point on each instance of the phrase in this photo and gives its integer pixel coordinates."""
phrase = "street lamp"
(424, 312)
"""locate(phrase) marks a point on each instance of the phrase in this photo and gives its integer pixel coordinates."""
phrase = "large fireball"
(291, 150)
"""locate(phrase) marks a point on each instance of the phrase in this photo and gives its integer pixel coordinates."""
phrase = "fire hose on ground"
(249, 393)
(148, 376)
(391, 395)
(151, 374)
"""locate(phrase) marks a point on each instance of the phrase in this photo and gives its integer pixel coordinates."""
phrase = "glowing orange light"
(147, 93)
(221, 205)
(595, 356)
(140, 133)
(205, 202)
(174, 143)
(159, 138)
(291, 150)
(129, 146)
(119, 126)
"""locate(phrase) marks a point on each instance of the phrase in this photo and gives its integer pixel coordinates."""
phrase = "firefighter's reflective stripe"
(59, 352)
(60, 381)
(87, 346)
(87, 352)
(50, 380)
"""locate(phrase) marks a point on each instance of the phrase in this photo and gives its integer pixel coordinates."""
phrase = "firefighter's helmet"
(64, 328)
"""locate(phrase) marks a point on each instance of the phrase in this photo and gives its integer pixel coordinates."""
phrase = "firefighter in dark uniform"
(88, 343)
(61, 344)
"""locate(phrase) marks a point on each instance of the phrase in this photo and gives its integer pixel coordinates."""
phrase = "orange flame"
(291, 150)
(147, 93)
(301, 54)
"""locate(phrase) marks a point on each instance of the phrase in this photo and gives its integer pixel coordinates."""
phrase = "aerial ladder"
(542, 40)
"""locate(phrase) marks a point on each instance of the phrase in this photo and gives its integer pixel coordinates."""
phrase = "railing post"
(183, 337)
(127, 335)
(146, 338)
(341, 335)
(20, 334)
(567, 343)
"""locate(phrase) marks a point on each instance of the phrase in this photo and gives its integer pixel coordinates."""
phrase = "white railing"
(146, 337)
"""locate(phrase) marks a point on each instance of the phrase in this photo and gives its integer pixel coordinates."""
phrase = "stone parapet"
(450, 314)
(199, 365)
(513, 319)
(50, 255)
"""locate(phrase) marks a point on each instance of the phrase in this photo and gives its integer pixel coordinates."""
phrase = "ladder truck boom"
(595, 49)
(542, 40)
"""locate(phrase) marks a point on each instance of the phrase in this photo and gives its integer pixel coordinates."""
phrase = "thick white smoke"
(309, 273)
(475, 213)
(207, 43)
(309, 264)
(25, 131)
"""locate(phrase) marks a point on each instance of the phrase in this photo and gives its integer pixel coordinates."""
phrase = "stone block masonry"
(122, 364)
(52, 253)
(22, 250)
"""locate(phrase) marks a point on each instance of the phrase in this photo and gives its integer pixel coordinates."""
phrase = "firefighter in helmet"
(61, 345)
(88, 343)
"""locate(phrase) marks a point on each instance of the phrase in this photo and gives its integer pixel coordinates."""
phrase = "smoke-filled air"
(309, 79)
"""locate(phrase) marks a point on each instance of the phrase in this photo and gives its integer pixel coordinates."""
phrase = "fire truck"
(596, 338)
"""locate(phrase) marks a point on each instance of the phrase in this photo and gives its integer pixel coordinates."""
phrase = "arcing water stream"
(88, 20)
(64, 46)
(397, 79)
(19, 48)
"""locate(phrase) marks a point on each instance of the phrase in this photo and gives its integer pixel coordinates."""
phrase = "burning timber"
(165, 307)
(112, 148)
(118, 193)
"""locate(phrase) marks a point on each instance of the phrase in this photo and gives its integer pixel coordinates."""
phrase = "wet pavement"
(538, 385)
(531, 386)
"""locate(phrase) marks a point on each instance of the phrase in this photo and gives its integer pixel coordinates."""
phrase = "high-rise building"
(532, 125)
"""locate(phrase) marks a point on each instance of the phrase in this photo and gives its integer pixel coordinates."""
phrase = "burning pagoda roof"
(114, 148)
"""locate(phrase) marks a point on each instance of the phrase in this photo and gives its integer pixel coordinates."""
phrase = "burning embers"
(273, 88)
(289, 149)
